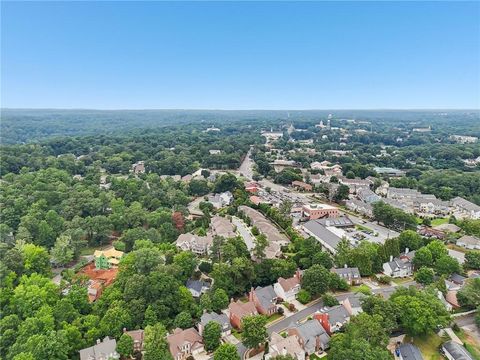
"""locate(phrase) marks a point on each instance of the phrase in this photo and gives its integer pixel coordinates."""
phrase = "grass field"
(439, 221)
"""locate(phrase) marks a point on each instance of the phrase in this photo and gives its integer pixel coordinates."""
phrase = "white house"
(220, 200)
(287, 289)
(401, 266)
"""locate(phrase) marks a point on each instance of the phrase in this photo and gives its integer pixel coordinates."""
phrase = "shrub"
(304, 296)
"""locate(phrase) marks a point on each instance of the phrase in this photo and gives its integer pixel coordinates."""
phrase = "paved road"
(246, 167)
(302, 314)
(244, 232)
(466, 320)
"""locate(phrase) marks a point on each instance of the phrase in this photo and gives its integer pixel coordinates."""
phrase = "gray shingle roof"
(410, 352)
(309, 331)
(221, 319)
(456, 351)
(103, 350)
(320, 231)
(266, 295)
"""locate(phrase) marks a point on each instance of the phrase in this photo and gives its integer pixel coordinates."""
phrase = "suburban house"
(401, 266)
(105, 259)
(185, 343)
(199, 245)
(452, 290)
(317, 211)
(220, 200)
(238, 310)
(455, 351)
(289, 345)
(220, 319)
(102, 350)
(138, 167)
(469, 242)
(408, 352)
(452, 228)
(138, 337)
(465, 209)
(350, 275)
(333, 318)
(300, 185)
(429, 232)
(287, 289)
(197, 287)
(311, 336)
(265, 300)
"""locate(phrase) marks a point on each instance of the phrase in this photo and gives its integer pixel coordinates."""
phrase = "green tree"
(261, 244)
(226, 352)
(447, 265)
(36, 259)
(155, 343)
(423, 258)
(364, 338)
(469, 295)
(342, 193)
(219, 300)
(304, 296)
(424, 276)
(316, 280)
(329, 300)
(198, 187)
(254, 330)
(187, 262)
(183, 320)
(226, 182)
(472, 260)
(125, 346)
(115, 319)
(419, 312)
(211, 335)
(438, 249)
(62, 252)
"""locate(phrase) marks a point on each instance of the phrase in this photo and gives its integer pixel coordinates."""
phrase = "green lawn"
(429, 346)
(400, 281)
(440, 221)
(274, 317)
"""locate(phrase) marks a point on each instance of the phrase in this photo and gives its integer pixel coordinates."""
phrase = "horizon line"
(220, 109)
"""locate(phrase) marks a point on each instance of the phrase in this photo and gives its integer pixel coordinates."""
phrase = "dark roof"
(309, 331)
(353, 271)
(337, 314)
(197, 285)
(456, 351)
(410, 352)
(456, 278)
(221, 319)
(266, 296)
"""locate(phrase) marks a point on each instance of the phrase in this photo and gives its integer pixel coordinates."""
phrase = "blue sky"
(250, 55)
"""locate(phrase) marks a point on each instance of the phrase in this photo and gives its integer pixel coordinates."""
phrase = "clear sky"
(229, 55)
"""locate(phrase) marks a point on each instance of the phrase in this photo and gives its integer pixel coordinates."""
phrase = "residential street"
(302, 314)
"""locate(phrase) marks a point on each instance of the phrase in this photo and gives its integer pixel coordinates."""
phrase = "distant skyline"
(240, 56)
